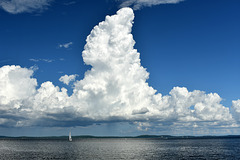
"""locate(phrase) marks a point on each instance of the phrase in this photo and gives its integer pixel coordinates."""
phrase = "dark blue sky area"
(193, 44)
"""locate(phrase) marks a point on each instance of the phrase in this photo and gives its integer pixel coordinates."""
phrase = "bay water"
(120, 148)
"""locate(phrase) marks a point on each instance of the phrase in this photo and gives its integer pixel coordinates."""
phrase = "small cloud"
(34, 60)
(138, 4)
(69, 3)
(47, 60)
(61, 59)
(65, 45)
(67, 79)
(34, 68)
(24, 6)
(43, 60)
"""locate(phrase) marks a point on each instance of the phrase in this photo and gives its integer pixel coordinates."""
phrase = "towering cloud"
(113, 90)
(116, 84)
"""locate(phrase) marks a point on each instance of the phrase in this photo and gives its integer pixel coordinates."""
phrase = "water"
(111, 148)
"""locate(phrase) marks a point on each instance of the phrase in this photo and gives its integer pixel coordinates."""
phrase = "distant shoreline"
(161, 137)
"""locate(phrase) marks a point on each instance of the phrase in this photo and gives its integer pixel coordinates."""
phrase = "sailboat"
(70, 137)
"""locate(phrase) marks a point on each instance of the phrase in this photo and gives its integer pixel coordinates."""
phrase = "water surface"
(121, 148)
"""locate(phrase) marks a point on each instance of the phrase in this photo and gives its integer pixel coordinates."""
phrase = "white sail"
(70, 137)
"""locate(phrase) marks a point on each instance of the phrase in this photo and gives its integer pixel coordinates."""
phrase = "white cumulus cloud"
(115, 89)
(16, 87)
(16, 83)
(66, 79)
(236, 109)
(21, 6)
(138, 4)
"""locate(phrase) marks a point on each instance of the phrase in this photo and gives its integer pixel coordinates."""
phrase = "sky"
(119, 67)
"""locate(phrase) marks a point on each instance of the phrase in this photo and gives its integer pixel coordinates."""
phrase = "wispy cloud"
(70, 3)
(41, 60)
(65, 45)
(5, 60)
(22, 6)
(34, 68)
(138, 4)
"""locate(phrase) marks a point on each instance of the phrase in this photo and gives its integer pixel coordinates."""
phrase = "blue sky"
(191, 43)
